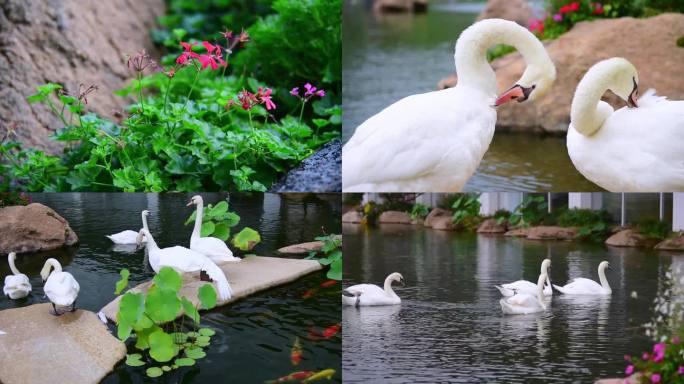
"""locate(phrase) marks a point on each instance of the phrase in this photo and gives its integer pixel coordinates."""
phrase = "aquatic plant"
(466, 210)
(419, 211)
(149, 318)
(532, 210)
(330, 254)
(218, 220)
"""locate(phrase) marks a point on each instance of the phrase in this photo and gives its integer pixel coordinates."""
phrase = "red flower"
(564, 9)
(574, 6)
(247, 99)
(598, 9)
(265, 98)
(537, 25)
(187, 53)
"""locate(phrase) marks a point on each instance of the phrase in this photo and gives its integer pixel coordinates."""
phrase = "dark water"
(450, 327)
(388, 57)
(254, 335)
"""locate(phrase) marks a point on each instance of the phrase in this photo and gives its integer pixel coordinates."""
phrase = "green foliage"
(499, 50)
(466, 210)
(653, 228)
(532, 211)
(246, 239)
(331, 255)
(123, 283)
(216, 220)
(13, 198)
(680, 42)
(419, 211)
(662, 364)
(501, 216)
(149, 318)
(301, 42)
(593, 225)
(352, 198)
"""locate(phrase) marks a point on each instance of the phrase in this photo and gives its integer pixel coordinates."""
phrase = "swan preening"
(637, 148)
(60, 287)
(17, 285)
(433, 142)
(370, 294)
(129, 237)
(583, 286)
(524, 286)
(212, 247)
(526, 303)
(185, 260)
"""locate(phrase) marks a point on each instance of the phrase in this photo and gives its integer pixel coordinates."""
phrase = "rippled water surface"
(254, 335)
(388, 57)
(450, 328)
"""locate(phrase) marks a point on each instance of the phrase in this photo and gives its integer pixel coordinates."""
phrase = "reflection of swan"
(212, 247)
(435, 141)
(652, 134)
(185, 260)
(17, 284)
(524, 286)
(583, 286)
(370, 294)
(524, 303)
(129, 237)
(60, 287)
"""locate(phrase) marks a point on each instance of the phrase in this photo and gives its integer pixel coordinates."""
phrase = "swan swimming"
(129, 237)
(525, 303)
(369, 294)
(524, 286)
(434, 142)
(212, 247)
(17, 285)
(583, 286)
(184, 260)
(637, 148)
(60, 287)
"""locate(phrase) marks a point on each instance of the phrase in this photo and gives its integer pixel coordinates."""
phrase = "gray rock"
(320, 172)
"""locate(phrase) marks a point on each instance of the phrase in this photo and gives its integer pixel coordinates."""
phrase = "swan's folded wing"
(211, 246)
(522, 300)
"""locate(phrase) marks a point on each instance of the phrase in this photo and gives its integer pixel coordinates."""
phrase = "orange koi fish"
(331, 331)
(309, 294)
(296, 354)
(295, 376)
(314, 334)
(329, 283)
(324, 374)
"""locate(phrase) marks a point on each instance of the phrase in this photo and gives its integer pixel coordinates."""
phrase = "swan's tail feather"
(649, 98)
(558, 288)
(225, 292)
(504, 291)
(350, 294)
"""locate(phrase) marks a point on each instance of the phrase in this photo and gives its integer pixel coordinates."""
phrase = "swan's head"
(146, 213)
(196, 200)
(396, 276)
(141, 235)
(47, 268)
(618, 75)
(545, 265)
(11, 257)
(534, 83)
(604, 265)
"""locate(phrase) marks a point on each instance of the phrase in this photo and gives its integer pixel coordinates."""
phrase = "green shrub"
(593, 225)
(466, 210)
(352, 198)
(653, 228)
(13, 198)
(419, 211)
(533, 210)
(331, 255)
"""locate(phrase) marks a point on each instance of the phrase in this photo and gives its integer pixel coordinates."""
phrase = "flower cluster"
(141, 61)
(248, 100)
(212, 58)
(665, 364)
(564, 17)
(310, 91)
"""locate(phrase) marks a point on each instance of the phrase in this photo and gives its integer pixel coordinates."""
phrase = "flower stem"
(166, 96)
(301, 112)
(140, 95)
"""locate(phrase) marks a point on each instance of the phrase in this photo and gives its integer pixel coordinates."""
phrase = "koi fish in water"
(315, 334)
(309, 293)
(296, 354)
(292, 377)
(329, 283)
(324, 374)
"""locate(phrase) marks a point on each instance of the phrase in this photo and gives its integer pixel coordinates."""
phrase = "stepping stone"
(41, 348)
(303, 248)
(247, 277)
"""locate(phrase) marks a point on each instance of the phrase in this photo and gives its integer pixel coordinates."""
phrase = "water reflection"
(450, 327)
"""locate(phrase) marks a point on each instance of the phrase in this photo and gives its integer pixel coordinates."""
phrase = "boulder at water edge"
(303, 248)
(551, 233)
(33, 228)
(353, 217)
(631, 238)
(513, 10)
(650, 44)
(675, 243)
(41, 348)
(394, 217)
(517, 232)
(492, 226)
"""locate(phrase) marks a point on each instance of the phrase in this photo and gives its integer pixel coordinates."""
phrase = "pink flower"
(320, 93)
(557, 17)
(209, 47)
(294, 91)
(310, 89)
(247, 99)
(574, 6)
(537, 25)
(629, 370)
(681, 370)
(265, 98)
(655, 378)
(676, 340)
(645, 356)
(187, 53)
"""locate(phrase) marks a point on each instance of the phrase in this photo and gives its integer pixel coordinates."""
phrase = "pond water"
(388, 57)
(449, 326)
(254, 335)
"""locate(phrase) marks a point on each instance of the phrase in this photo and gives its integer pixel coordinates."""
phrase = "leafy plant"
(466, 210)
(332, 255)
(653, 228)
(532, 211)
(664, 364)
(14, 198)
(501, 216)
(246, 239)
(218, 220)
(593, 225)
(150, 319)
(419, 211)
(499, 50)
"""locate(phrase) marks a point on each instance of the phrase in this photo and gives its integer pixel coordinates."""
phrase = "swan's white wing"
(369, 294)
(523, 300)
(181, 259)
(581, 286)
(214, 248)
(124, 237)
(420, 140)
(217, 275)
(61, 288)
(521, 286)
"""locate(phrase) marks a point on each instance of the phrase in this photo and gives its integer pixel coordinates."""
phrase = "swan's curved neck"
(152, 249)
(10, 259)
(55, 265)
(540, 291)
(471, 51)
(144, 221)
(604, 280)
(588, 112)
(388, 286)
(198, 221)
(150, 244)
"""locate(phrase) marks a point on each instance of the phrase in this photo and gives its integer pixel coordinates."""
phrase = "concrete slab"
(251, 275)
(40, 348)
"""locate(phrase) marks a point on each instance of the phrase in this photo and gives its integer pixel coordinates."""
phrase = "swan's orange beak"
(190, 203)
(513, 93)
(632, 99)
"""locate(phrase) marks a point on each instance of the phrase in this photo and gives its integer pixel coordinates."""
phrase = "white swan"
(212, 247)
(60, 287)
(582, 286)
(129, 237)
(525, 303)
(524, 286)
(185, 260)
(434, 142)
(370, 294)
(637, 148)
(17, 285)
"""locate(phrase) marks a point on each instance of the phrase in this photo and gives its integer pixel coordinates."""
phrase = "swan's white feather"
(581, 286)
(522, 286)
(214, 248)
(369, 295)
(61, 288)
(17, 286)
(124, 237)
(521, 304)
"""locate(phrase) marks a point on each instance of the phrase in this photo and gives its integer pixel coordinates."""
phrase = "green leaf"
(162, 305)
(123, 283)
(169, 279)
(190, 310)
(185, 362)
(142, 341)
(207, 296)
(143, 323)
(161, 346)
(191, 219)
(246, 239)
(206, 332)
(154, 372)
(208, 228)
(219, 210)
(335, 272)
(221, 231)
(195, 353)
(134, 360)
(131, 308)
